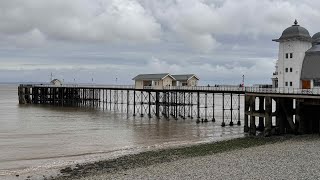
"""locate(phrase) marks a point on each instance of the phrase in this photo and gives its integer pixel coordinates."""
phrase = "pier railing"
(207, 88)
(314, 91)
(49, 85)
(81, 86)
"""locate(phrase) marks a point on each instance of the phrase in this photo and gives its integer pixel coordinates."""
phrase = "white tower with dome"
(293, 44)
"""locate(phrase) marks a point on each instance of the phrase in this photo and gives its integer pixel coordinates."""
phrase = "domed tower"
(310, 74)
(293, 44)
(316, 39)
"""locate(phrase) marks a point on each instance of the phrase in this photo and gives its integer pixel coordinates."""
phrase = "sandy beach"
(296, 158)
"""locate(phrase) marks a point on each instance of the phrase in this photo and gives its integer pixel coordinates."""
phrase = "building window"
(291, 55)
(286, 83)
(290, 69)
(290, 83)
(287, 55)
(316, 83)
(286, 69)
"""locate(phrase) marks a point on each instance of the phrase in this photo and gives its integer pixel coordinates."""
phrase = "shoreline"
(148, 158)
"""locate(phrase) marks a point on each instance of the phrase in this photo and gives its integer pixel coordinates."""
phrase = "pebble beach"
(296, 158)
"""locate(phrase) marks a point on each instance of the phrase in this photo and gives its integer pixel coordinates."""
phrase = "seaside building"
(154, 81)
(297, 59)
(310, 73)
(185, 80)
(160, 81)
(56, 82)
(293, 44)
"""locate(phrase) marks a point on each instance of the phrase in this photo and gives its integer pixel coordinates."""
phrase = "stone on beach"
(293, 159)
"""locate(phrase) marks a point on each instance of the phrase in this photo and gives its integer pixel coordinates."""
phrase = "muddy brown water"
(36, 140)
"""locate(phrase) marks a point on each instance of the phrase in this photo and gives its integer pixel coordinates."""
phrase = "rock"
(66, 170)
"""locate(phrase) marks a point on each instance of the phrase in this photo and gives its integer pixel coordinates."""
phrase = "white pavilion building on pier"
(298, 64)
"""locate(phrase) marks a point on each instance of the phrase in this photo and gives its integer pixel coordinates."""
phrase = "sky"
(111, 41)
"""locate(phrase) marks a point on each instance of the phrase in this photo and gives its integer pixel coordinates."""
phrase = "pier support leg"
(278, 116)
(141, 103)
(261, 119)
(231, 110)
(239, 121)
(168, 104)
(191, 106)
(149, 114)
(176, 114)
(213, 118)
(268, 116)
(252, 130)
(157, 105)
(128, 101)
(184, 105)
(28, 96)
(21, 94)
(206, 108)
(164, 104)
(287, 108)
(299, 118)
(134, 103)
(198, 107)
(223, 123)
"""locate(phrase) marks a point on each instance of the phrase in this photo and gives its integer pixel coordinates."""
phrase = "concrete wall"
(166, 82)
(56, 82)
(158, 84)
(178, 83)
(298, 48)
(193, 82)
(139, 84)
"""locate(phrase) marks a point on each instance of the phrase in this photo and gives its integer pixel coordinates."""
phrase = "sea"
(38, 140)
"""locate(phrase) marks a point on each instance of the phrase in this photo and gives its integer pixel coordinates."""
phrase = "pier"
(271, 111)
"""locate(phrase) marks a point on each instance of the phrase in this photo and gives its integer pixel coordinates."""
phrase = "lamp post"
(243, 80)
(187, 81)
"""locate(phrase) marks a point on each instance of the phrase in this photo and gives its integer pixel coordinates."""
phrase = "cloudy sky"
(105, 40)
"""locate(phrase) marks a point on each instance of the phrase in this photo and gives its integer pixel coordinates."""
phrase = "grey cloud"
(230, 73)
(194, 22)
(82, 20)
(198, 22)
(220, 40)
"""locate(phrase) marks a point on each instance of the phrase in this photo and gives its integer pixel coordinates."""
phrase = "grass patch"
(167, 155)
